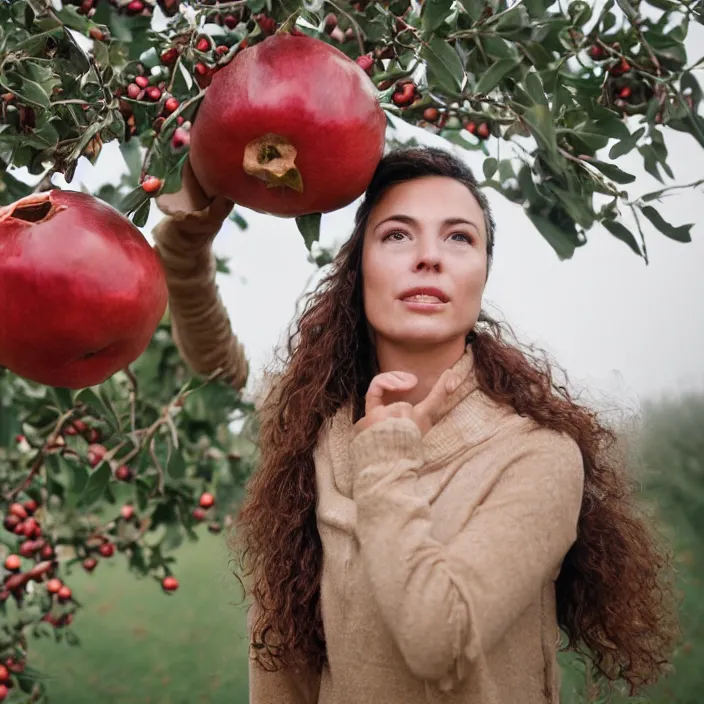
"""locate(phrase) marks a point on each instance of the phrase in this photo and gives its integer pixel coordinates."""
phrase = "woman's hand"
(425, 414)
(197, 212)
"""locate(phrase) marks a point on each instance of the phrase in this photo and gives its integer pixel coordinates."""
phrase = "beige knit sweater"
(439, 559)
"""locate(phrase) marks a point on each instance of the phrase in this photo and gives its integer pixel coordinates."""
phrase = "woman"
(430, 509)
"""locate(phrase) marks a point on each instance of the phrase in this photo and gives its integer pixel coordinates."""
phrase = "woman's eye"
(396, 236)
(462, 236)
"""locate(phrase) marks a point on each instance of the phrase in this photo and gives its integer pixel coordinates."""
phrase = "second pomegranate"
(291, 126)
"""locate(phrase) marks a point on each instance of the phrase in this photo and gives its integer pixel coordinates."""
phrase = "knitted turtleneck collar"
(466, 421)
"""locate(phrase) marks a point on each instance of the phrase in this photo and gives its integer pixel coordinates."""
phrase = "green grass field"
(140, 646)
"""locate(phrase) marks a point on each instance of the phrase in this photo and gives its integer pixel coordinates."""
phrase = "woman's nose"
(428, 255)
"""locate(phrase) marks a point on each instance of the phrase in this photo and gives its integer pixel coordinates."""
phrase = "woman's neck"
(427, 364)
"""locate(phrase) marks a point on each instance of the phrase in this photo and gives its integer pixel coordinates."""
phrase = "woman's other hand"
(197, 212)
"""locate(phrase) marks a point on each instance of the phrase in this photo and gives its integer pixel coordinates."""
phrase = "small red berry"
(222, 50)
(80, 426)
(169, 584)
(89, 564)
(180, 138)
(30, 505)
(199, 514)
(127, 512)
(31, 528)
(4, 691)
(95, 454)
(170, 105)
(200, 68)
(366, 62)
(11, 522)
(28, 548)
(471, 127)
(19, 529)
(206, 500)
(230, 21)
(430, 114)
(107, 549)
(94, 435)
(70, 430)
(169, 56)
(13, 563)
(203, 44)
(123, 473)
(141, 81)
(151, 184)
(625, 92)
(54, 585)
(47, 552)
(4, 673)
(153, 93)
(19, 438)
(135, 6)
(596, 52)
(15, 665)
(483, 131)
(18, 510)
(64, 593)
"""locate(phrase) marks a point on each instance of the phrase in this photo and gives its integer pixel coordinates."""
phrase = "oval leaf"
(444, 64)
(492, 77)
(96, 484)
(611, 171)
(679, 234)
(490, 166)
(626, 145)
(622, 233)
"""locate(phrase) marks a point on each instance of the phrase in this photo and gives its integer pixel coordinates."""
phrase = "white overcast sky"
(623, 330)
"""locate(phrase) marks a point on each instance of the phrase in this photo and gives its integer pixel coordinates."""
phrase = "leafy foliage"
(121, 467)
(555, 81)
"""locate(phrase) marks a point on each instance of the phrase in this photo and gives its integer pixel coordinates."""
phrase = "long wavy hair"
(615, 600)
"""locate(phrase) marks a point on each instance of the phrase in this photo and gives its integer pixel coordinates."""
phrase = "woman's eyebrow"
(412, 221)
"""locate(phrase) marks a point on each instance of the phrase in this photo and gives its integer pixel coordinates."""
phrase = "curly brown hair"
(614, 592)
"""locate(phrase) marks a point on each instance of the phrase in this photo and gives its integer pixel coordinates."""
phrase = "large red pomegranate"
(81, 289)
(290, 126)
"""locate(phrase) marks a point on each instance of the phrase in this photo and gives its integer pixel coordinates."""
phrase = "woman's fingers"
(388, 381)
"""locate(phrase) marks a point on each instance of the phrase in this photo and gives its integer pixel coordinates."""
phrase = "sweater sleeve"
(277, 686)
(447, 602)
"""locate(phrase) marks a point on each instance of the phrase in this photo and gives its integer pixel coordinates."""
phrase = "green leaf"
(490, 166)
(27, 90)
(679, 234)
(626, 145)
(628, 9)
(654, 195)
(177, 466)
(539, 119)
(132, 154)
(493, 75)
(141, 215)
(96, 484)
(77, 476)
(535, 89)
(444, 65)
(133, 200)
(667, 5)
(611, 171)
(434, 13)
(64, 398)
(557, 237)
(309, 227)
(622, 233)
(650, 161)
(474, 8)
(98, 406)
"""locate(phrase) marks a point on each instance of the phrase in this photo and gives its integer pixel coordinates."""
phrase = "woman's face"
(424, 263)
